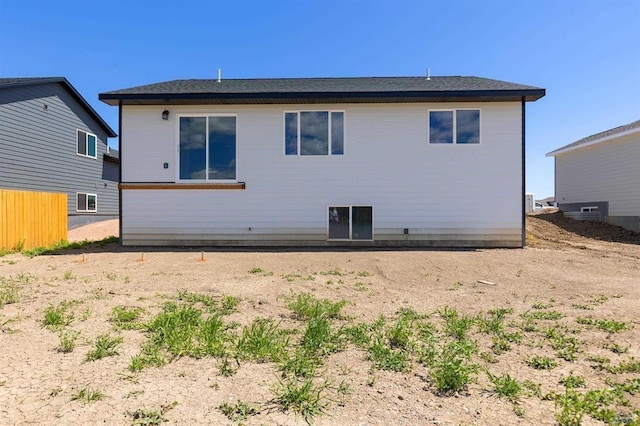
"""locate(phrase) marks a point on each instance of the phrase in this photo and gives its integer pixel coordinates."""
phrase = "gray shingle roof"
(6, 83)
(596, 137)
(358, 89)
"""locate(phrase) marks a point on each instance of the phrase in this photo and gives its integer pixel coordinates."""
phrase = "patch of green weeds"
(334, 272)
(541, 305)
(150, 417)
(300, 364)
(599, 404)
(305, 306)
(542, 315)
(572, 381)
(238, 412)
(256, 270)
(104, 346)
(567, 347)
(57, 316)
(67, 340)
(124, 317)
(303, 397)
(581, 306)
(360, 286)
(363, 274)
(631, 386)
(616, 348)
(86, 314)
(500, 345)
(455, 325)
(505, 386)
(451, 369)
(262, 341)
(319, 338)
(150, 356)
(628, 366)
(385, 358)
(541, 363)
(611, 326)
(228, 304)
(359, 334)
(494, 322)
(9, 291)
(66, 245)
(88, 395)
(68, 275)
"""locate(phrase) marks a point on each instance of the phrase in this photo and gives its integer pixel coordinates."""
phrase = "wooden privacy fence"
(31, 219)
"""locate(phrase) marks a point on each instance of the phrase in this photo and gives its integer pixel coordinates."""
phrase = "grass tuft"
(105, 346)
(88, 395)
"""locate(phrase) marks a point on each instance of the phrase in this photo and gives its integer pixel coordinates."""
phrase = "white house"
(400, 161)
(602, 173)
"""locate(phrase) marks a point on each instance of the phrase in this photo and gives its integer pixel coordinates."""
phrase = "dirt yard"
(426, 337)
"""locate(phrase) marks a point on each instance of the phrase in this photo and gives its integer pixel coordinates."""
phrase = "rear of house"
(323, 162)
(51, 140)
(601, 173)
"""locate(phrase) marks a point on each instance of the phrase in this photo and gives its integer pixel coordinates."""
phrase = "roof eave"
(113, 99)
(74, 93)
(568, 148)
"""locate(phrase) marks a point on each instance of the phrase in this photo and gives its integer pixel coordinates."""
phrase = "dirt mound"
(95, 231)
(553, 230)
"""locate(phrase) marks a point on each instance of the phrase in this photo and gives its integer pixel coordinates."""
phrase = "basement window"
(86, 203)
(351, 223)
(87, 144)
(314, 133)
(460, 126)
(589, 209)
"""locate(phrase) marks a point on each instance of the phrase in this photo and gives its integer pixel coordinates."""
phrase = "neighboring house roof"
(112, 156)
(28, 81)
(616, 132)
(324, 90)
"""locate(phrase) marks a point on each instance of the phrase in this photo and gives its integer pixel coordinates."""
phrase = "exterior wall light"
(165, 114)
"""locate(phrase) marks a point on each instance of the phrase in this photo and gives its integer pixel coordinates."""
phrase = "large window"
(314, 133)
(461, 126)
(87, 144)
(86, 202)
(351, 223)
(208, 148)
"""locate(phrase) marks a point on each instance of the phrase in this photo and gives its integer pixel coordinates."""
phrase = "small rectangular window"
(460, 126)
(87, 203)
(87, 144)
(82, 143)
(291, 133)
(314, 133)
(337, 133)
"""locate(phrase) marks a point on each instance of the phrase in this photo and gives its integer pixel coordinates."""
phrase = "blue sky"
(585, 53)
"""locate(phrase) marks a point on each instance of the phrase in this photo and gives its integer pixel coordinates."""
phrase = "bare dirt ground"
(575, 270)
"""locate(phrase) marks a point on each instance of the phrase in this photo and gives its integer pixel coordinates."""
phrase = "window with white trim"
(351, 223)
(459, 126)
(207, 147)
(87, 145)
(314, 133)
(589, 209)
(86, 203)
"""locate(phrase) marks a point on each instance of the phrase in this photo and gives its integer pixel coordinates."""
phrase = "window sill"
(238, 185)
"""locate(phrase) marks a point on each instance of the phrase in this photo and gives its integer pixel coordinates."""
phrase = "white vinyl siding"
(433, 192)
(604, 172)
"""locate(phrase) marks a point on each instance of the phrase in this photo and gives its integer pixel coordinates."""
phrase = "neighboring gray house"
(52, 140)
(602, 173)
